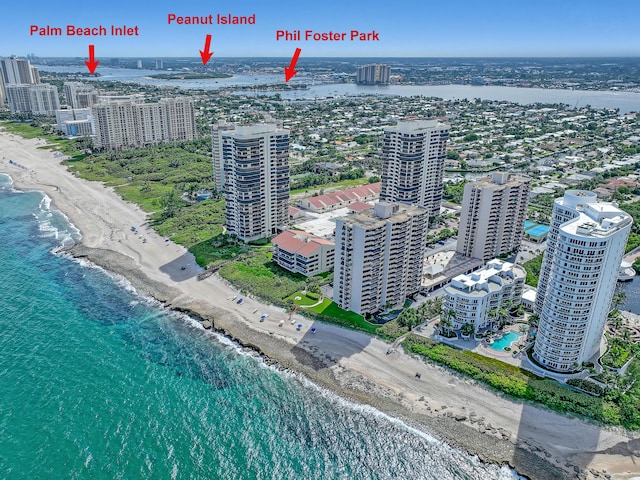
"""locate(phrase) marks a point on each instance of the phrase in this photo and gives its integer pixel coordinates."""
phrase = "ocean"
(97, 382)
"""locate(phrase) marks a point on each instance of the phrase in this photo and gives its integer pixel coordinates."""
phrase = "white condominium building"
(80, 95)
(74, 121)
(301, 252)
(127, 123)
(374, 74)
(16, 70)
(40, 99)
(3, 94)
(216, 148)
(413, 156)
(473, 296)
(255, 162)
(379, 257)
(493, 213)
(18, 98)
(586, 242)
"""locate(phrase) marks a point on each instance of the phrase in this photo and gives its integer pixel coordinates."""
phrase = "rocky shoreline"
(537, 442)
(488, 443)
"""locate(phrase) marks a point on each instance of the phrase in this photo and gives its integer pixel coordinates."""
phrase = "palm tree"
(436, 307)
(618, 299)
(449, 317)
(423, 312)
(467, 329)
(502, 315)
(494, 315)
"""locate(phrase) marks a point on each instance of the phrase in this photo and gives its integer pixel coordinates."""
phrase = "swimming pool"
(505, 341)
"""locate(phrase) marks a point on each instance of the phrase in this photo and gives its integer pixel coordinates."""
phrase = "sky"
(405, 28)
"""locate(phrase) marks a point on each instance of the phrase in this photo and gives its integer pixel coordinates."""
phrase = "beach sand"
(538, 443)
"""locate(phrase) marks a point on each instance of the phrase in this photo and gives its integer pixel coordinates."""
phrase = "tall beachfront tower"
(80, 95)
(493, 213)
(129, 123)
(413, 156)
(217, 130)
(18, 71)
(580, 267)
(379, 257)
(255, 164)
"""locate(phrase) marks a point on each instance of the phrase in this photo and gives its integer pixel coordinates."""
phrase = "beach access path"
(537, 442)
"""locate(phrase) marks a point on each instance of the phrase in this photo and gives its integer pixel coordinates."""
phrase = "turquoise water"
(505, 341)
(538, 230)
(99, 383)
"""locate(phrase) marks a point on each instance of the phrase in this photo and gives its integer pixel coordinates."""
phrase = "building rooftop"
(490, 278)
(303, 243)
(417, 126)
(596, 219)
(382, 213)
(347, 195)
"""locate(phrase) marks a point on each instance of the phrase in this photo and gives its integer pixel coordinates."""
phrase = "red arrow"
(290, 71)
(205, 54)
(92, 63)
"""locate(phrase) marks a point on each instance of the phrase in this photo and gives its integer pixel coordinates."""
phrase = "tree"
(618, 299)
(446, 323)
(408, 318)
(170, 203)
(493, 315)
(467, 329)
(503, 315)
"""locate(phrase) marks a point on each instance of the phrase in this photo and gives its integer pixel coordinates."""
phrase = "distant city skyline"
(407, 28)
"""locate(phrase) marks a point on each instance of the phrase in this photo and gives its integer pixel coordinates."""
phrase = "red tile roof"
(304, 243)
(360, 206)
(348, 196)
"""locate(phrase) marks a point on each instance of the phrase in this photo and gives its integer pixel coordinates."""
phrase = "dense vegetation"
(532, 267)
(614, 407)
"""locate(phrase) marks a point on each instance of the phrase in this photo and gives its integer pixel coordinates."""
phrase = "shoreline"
(536, 442)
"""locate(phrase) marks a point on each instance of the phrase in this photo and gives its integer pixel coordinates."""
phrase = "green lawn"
(304, 300)
(338, 185)
(25, 130)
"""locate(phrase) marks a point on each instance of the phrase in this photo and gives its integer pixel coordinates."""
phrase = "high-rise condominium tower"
(413, 163)
(126, 123)
(374, 74)
(493, 213)
(16, 70)
(379, 257)
(580, 267)
(40, 99)
(80, 95)
(255, 163)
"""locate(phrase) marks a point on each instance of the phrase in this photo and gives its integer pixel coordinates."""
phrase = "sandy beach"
(538, 443)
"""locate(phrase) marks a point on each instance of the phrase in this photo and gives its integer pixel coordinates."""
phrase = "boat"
(626, 272)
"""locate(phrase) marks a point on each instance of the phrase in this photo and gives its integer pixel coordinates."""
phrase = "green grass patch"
(256, 273)
(334, 186)
(26, 130)
(303, 301)
(330, 311)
